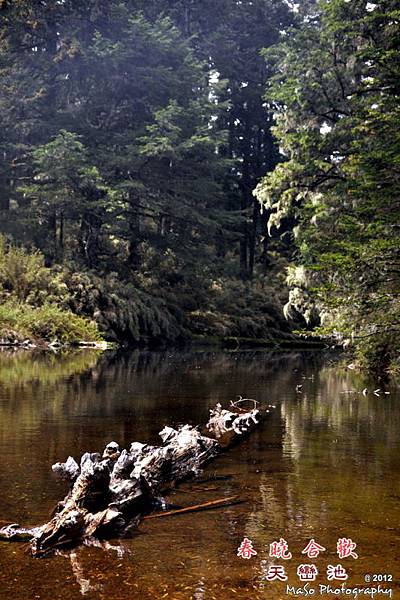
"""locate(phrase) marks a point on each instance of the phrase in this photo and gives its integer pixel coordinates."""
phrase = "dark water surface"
(325, 466)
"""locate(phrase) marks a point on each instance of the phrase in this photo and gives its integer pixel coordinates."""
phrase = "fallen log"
(110, 493)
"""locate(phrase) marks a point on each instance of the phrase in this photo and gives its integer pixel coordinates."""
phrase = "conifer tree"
(337, 84)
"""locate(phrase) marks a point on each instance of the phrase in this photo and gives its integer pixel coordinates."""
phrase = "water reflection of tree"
(342, 448)
(46, 385)
(333, 404)
(22, 367)
(337, 466)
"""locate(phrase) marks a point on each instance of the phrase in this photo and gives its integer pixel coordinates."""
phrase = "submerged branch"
(196, 507)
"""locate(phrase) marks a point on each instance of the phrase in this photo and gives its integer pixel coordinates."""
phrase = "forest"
(175, 170)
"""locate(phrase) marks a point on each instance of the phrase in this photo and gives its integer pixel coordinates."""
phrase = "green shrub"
(47, 322)
(24, 277)
(380, 352)
(122, 310)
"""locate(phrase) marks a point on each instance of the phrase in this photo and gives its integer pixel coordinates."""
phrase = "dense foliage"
(135, 132)
(337, 86)
(35, 302)
(132, 136)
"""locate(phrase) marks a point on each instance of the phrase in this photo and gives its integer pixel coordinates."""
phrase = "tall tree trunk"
(4, 195)
(61, 238)
(253, 237)
(161, 226)
(243, 245)
(53, 233)
(258, 172)
(220, 244)
(5, 187)
(134, 257)
(265, 260)
(245, 204)
(89, 238)
(187, 18)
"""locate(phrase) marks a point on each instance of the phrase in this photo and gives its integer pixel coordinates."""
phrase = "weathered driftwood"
(110, 493)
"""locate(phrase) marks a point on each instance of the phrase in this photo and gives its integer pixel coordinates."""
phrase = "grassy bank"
(43, 325)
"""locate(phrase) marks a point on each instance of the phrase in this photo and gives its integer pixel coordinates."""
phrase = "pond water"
(324, 466)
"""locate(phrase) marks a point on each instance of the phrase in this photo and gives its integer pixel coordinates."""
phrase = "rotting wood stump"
(110, 493)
